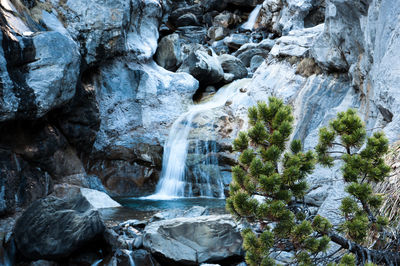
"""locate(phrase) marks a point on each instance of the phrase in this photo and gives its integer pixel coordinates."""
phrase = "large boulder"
(204, 66)
(96, 199)
(192, 241)
(234, 66)
(52, 228)
(168, 53)
(297, 43)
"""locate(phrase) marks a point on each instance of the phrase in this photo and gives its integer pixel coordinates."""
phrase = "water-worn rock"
(138, 103)
(194, 240)
(195, 211)
(52, 228)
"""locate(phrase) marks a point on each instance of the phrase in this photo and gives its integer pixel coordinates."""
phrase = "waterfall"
(173, 182)
(251, 21)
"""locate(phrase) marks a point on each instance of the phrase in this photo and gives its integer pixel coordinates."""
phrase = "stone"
(235, 41)
(226, 19)
(168, 53)
(194, 211)
(217, 33)
(247, 51)
(233, 65)
(96, 199)
(204, 66)
(37, 237)
(187, 19)
(297, 43)
(194, 240)
(255, 62)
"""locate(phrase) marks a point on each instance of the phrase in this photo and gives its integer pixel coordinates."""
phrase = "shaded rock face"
(191, 241)
(40, 231)
(20, 183)
(36, 76)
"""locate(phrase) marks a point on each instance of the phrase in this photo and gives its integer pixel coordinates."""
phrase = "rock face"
(191, 241)
(52, 228)
(39, 73)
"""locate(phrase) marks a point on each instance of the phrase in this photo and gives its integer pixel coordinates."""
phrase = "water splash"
(251, 21)
(173, 182)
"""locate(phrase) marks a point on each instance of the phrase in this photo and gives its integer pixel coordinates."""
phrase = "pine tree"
(277, 177)
(268, 186)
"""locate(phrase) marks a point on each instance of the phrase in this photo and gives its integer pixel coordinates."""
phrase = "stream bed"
(144, 209)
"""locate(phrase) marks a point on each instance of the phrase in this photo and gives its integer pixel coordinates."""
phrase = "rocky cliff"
(89, 89)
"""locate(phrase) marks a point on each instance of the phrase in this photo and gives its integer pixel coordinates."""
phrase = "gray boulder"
(204, 66)
(233, 65)
(53, 228)
(246, 52)
(297, 43)
(168, 53)
(235, 41)
(192, 241)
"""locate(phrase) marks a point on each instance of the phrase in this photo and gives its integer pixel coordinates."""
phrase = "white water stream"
(251, 21)
(173, 182)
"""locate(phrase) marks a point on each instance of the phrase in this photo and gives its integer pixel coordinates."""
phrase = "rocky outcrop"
(191, 241)
(52, 228)
(39, 73)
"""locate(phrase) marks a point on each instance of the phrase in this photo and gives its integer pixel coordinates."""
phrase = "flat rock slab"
(191, 241)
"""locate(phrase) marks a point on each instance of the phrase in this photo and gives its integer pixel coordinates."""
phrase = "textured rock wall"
(81, 97)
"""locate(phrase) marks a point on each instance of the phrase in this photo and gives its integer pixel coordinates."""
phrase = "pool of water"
(143, 209)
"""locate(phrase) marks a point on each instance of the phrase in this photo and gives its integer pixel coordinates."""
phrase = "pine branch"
(377, 256)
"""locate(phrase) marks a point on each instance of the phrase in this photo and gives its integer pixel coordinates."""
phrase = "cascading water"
(251, 21)
(174, 182)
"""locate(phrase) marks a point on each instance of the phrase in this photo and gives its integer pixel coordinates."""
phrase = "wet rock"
(187, 15)
(137, 103)
(255, 62)
(194, 240)
(233, 65)
(37, 237)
